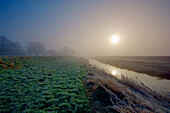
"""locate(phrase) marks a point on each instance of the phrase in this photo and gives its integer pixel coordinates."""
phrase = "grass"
(69, 85)
(43, 84)
(109, 94)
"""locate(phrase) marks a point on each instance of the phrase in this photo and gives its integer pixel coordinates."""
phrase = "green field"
(43, 84)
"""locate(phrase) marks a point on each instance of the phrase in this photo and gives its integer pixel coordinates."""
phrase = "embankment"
(108, 94)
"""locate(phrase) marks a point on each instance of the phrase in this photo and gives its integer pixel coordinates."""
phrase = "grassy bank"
(108, 94)
(42, 84)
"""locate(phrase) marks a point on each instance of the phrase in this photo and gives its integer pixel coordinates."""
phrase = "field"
(70, 85)
(42, 84)
(153, 66)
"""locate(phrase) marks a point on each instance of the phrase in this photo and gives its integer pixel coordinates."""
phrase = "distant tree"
(46, 53)
(72, 52)
(52, 53)
(11, 48)
(19, 50)
(67, 52)
(3, 45)
(8, 47)
(35, 48)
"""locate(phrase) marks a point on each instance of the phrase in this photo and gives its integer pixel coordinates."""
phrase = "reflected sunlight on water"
(159, 85)
(114, 72)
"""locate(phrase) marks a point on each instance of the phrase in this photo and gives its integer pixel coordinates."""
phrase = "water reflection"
(153, 83)
(114, 72)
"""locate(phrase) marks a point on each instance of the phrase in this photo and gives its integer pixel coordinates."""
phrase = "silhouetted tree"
(52, 53)
(67, 52)
(8, 47)
(35, 48)
(3, 44)
(19, 50)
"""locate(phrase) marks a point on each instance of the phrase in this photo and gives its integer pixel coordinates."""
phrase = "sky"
(143, 26)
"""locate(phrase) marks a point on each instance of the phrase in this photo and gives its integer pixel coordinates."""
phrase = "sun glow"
(115, 39)
(114, 72)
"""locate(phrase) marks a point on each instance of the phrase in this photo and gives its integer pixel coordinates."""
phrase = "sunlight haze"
(86, 26)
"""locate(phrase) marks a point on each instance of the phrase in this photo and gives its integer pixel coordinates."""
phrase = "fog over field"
(84, 56)
(87, 26)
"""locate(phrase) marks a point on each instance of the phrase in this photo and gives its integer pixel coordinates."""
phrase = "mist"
(87, 26)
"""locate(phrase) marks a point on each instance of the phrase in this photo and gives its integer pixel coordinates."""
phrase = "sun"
(115, 39)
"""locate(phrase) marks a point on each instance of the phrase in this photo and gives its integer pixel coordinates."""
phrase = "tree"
(67, 52)
(8, 47)
(53, 53)
(3, 41)
(35, 48)
(19, 50)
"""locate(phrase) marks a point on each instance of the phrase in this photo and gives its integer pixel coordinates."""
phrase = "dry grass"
(6, 65)
(108, 94)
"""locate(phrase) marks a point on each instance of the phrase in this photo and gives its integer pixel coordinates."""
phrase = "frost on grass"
(43, 84)
(109, 94)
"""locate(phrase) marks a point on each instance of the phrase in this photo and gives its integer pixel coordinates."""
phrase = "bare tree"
(3, 41)
(8, 47)
(19, 50)
(35, 48)
(54, 53)
(67, 52)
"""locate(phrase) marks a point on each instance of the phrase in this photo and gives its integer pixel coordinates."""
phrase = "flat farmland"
(70, 85)
(42, 84)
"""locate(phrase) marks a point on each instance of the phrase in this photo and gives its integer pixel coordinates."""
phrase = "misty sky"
(87, 25)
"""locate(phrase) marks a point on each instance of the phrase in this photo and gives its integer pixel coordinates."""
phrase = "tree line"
(10, 48)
